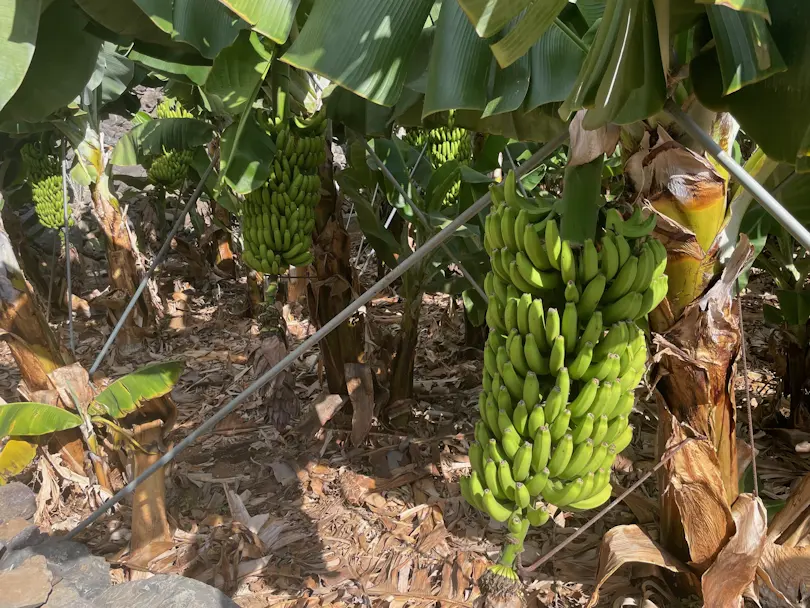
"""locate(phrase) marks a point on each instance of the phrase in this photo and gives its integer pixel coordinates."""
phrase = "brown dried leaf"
(360, 384)
(735, 568)
(321, 412)
(782, 576)
(589, 145)
(626, 544)
(793, 520)
(72, 382)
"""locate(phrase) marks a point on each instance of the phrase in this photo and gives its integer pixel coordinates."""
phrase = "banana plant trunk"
(407, 340)
(697, 341)
(335, 283)
(31, 341)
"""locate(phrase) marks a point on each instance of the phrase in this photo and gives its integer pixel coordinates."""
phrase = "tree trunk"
(335, 283)
(224, 254)
(405, 355)
(32, 343)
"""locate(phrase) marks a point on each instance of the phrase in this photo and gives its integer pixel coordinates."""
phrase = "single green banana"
(597, 500)
(569, 326)
(537, 418)
(584, 400)
(644, 271)
(493, 451)
(476, 455)
(501, 358)
(491, 479)
(609, 263)
(641, 229)
(614, 362)
(541, 449)
(563, 495)
(561, 456)
(583, 428)
(504, 420)
(500, 289)
(536, 279)
(495, 509)
(653, 296)
(600, 452)
(598, 370)
(520, 418)
(526, 286)
(537, 363)
(538, 516)
(623, 247)
(466, 492)
(587, 488)
(482, 433)
(593, 330)
(602, 399)
(624, 405)
(535, 249)
(537, 325)
(631, 378)
(521, 467)
(522, 496)
(492, 417)
(510, 441)
(523, 313)
(614, 220)
(559, 427)
(517, 357)
(563, 382)
(505, 480)
(623, 439)
(600, 429)
(537, 482)
(553, 405)
(531, 390)
(568, 267)
(623, 281)
(589, 264)
(552, 326)
(616, 426)
(579, 460)
(571, 292)
(512, 381)
(494, 229)
(591, 296)
(580, 364)
(508, 217)
(494, 315)
(556, 359)
(521, 221)
(626, 307)
(510, 315)
(553, 244)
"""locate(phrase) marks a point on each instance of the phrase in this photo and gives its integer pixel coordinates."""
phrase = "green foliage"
(152, 137)
(19, 22)
(33, 419)
(126, 394)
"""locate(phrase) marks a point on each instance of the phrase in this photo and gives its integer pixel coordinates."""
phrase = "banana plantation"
(494, 303)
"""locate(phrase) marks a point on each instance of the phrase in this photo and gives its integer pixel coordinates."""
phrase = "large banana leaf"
(236, 73)
(363, 45)
(63, 62)
(14, 457)
(29, 418)
(773, 111)
(126, 395)
(273, 18)
(191, 73)
(248, 166)
(490, 16)
(151, 137)
(533, 24)
(207, 25)
(19, 22)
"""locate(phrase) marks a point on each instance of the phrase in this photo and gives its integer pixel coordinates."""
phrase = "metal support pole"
(422, 218)
(771, 205)
(66, 232)
(335, 322)
(158, 259)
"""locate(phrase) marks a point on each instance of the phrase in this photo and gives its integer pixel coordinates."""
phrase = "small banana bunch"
(278, 218)
(45, 178)
(562, 360)
(169, 169)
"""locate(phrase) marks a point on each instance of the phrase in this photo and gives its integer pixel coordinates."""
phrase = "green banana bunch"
(278, 217)
(170, 168)
(45, 177)
(446, 143)
(562, 360)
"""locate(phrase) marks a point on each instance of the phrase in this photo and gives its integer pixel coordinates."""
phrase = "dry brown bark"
(334, 284)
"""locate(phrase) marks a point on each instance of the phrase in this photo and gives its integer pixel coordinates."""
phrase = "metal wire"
(158, 259)
(747, 395)
(666, 457)
(66, 229)
(422, 217)
(771, 205)
(50, 282)
(306, 345)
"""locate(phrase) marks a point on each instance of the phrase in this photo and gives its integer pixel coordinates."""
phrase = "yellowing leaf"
(14, 457)
(29, 418)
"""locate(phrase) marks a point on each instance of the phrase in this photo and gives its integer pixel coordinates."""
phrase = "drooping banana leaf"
(126, 394)
(30, 418)
(152, 136)
(14, 457)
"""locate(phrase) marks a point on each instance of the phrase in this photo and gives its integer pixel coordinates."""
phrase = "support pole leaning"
(421, 216)
(66, 233)
(771, 205)
(335, 322)
(158, 259)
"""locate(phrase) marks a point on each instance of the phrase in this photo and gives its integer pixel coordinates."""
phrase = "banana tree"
(133, 412)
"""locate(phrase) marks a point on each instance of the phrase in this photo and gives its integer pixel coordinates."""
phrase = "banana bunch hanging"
(45, 177)
(170, 168)
(279, 217)
(561, 363)
(445, 143)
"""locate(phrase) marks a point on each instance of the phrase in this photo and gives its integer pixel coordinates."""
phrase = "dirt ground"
(304, 518)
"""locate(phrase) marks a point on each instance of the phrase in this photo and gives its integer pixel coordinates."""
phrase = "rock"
(17, 500)
(69, 562)
(164, 591)
(18, 533)
(65, 596)
(26, 586)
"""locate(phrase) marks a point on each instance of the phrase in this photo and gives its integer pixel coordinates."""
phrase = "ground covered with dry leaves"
(305, 518)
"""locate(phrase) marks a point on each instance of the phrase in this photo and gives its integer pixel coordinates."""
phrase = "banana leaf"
(14, 457)
(30, 418)
(125, 395)
(151, 137)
